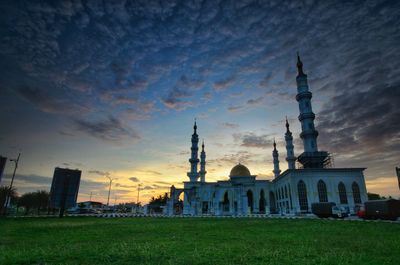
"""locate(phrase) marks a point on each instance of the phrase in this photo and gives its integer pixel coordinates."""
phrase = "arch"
(225, 202)
(180, 195)
(272, 202)
(322, 193)
(342, 193)
(356, 193)
(250, 200)
(261, 204)
(302, 192)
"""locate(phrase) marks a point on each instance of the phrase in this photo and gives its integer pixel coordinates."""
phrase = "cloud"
(224, 83)
(230, 125)
(134, 179)
(47, 102)
(108, 129)
(253, 140)
(235, 108)
(98, 172)
(256, 101)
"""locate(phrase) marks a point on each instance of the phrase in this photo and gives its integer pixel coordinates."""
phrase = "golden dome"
(240, 171)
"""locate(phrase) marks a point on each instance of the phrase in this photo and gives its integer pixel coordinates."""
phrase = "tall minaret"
(275, 155)
(202, 164)
(194, 160)
(308, 133)
(290, 158)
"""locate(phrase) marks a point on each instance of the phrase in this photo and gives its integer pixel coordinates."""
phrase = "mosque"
(291, 192)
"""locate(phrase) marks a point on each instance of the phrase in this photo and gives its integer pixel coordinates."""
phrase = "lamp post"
(109, 189)
(8, 198)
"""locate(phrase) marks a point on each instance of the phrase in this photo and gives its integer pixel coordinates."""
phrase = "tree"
(26, 201)
(34, 200)
(374, 196)
(156, 203)
(4, 191)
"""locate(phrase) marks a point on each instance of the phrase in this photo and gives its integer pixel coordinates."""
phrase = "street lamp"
(8, 198)
(109, 188)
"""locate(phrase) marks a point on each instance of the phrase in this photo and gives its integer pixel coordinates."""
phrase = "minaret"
(290, 158)
(308, 133)
(275, 155)
(194, 160)
(311, 157)
(202, 164)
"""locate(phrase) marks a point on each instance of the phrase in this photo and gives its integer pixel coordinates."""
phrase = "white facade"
(292, 191)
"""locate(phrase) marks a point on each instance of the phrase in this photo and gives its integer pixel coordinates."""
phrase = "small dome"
(240, 171)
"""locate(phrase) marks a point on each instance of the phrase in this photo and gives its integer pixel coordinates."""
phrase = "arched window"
(342, 193)
(261, 205)
(322, 194)
(272, 202)
(356, 193)
(302, 191)
(250, 200)
(225, 203)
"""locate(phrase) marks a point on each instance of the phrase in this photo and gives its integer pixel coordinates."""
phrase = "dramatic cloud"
(119, 71)
(110, 129)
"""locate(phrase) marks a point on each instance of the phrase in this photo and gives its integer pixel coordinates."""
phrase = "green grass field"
(86, 240)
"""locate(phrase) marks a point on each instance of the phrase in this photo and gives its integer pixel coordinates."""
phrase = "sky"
(113, 87)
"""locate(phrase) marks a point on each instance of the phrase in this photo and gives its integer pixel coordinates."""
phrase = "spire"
(275, 156)
(203, 171)
(195, 126)
(287, 126)
(290, 158)
(194, 159)
(299, 66)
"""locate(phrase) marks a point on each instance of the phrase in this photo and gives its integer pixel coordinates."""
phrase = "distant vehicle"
(328, 209)
(82, 211)
(388, 209)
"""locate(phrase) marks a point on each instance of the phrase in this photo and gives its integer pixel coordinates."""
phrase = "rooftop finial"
(274, 145)
(299, 65)
(202, 146)
(287, 125)
(195, 125)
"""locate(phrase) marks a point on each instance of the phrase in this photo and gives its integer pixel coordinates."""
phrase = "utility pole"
(8, 198)
(109, 189)
(138, 190)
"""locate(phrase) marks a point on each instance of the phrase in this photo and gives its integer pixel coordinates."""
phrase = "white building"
(291, 191)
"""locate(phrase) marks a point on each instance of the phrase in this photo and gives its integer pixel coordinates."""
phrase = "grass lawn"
(87, 240)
